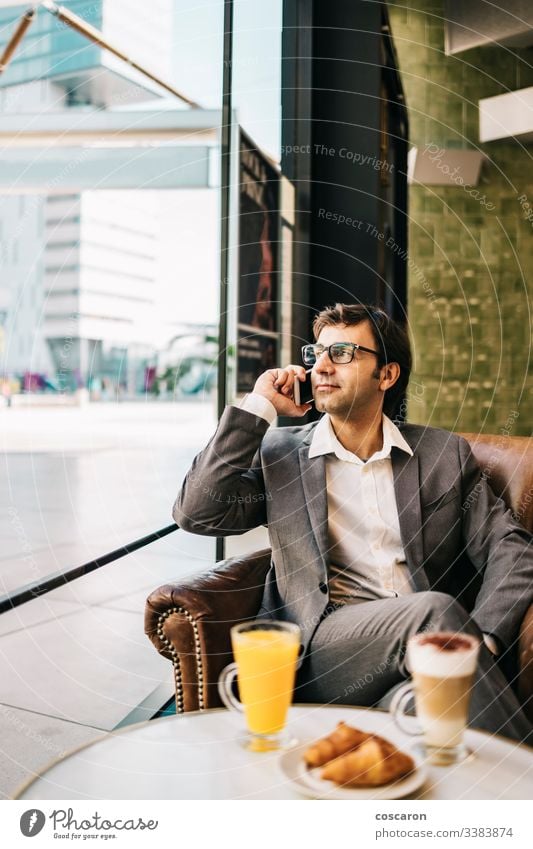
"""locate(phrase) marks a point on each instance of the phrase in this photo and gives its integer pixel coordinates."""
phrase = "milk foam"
(441, 732)
(428, 659)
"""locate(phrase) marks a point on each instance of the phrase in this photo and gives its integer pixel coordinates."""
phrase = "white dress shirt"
(365, 553)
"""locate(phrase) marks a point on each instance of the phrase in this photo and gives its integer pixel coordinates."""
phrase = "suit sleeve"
(223, 493)
(500, 548)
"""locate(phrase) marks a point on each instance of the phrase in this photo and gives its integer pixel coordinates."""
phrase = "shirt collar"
(324, 441)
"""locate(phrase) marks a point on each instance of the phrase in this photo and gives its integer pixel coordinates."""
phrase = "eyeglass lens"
(340, 352)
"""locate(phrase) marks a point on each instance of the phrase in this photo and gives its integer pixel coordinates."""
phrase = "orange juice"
(266, 661)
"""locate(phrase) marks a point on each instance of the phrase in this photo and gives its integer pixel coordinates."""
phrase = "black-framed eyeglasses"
(338, 352)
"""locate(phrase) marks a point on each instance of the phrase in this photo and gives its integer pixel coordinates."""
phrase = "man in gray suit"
(377, 531)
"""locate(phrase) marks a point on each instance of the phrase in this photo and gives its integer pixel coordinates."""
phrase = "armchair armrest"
(525, 652)
(189, 623)
(510, 460)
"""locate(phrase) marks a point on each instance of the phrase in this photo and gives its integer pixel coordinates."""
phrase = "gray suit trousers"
(357, 655)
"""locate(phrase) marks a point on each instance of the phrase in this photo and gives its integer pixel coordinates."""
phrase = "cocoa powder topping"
(446, 642)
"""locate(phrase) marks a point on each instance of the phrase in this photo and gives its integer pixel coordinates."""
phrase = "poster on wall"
(258, 271)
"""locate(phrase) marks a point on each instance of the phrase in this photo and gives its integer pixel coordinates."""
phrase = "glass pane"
(256, 81)
(109, 312)
(255, 221)
(109, 250)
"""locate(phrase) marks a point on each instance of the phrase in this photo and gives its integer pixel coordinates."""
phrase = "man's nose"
(323, 362)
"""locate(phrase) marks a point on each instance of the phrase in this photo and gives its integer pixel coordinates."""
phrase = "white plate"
(308, 781)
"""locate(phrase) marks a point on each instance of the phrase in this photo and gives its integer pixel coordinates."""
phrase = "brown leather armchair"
(189, 622)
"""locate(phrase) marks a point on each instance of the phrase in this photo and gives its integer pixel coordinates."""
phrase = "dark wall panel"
(345, 133)
(344, 139)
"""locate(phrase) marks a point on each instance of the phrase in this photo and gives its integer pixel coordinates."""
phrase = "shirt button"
(323, 587)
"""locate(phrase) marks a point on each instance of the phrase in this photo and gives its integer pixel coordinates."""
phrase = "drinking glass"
(266, 654)
(442, 665)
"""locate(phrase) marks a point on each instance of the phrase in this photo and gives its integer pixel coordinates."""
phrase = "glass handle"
(225, 683)
(397, 709)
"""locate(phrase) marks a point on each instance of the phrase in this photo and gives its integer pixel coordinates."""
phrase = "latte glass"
(442, 665)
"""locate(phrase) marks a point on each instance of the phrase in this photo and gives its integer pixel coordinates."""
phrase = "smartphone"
(302, 390)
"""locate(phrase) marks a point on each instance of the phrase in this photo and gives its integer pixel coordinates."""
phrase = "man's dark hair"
(390, 337)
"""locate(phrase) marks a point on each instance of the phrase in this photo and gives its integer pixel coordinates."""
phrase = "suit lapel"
(313, 475)
(406, 474)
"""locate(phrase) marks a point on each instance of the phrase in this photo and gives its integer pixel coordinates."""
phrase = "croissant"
(343, 739)
(374, 762)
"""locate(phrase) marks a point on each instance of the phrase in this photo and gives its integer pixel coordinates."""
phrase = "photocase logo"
(32, 822)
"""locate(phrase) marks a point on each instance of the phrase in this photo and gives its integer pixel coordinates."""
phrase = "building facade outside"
(100, 281)
(83, 273)
(22, 232)
(83, 71)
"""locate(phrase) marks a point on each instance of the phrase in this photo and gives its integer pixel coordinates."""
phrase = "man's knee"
(444, 612)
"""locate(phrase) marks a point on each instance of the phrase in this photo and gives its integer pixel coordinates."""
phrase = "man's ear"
(388, 376)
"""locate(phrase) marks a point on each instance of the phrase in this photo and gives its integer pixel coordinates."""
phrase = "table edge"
(136, 725)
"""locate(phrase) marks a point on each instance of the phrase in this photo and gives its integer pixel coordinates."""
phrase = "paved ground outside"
(75, 484)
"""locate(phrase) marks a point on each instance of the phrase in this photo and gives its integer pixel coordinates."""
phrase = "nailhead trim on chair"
(175, 657)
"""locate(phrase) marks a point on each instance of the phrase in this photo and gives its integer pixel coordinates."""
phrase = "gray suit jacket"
(458, 537)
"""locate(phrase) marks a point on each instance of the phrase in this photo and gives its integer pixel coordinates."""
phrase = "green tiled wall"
(470, 266)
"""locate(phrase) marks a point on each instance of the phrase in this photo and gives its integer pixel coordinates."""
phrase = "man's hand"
(276, 385)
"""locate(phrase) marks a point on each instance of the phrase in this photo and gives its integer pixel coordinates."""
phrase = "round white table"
(198, 756)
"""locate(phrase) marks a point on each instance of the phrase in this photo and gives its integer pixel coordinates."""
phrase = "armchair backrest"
(507, 463)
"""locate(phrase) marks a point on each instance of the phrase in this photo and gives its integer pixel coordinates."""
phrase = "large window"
(109, 313)
(108, 281)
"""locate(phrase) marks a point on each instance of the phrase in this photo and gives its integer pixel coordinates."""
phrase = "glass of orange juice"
(266, 654)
